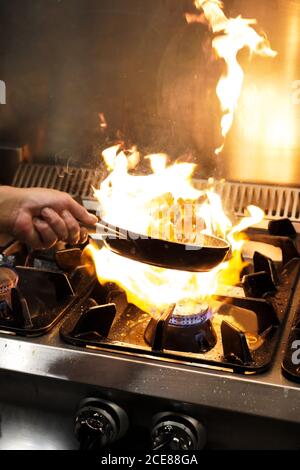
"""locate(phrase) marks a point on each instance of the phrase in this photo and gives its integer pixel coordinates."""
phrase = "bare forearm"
(10, 201)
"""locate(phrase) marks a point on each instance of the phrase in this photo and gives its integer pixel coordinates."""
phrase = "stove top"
(238, 331)
(52, 305)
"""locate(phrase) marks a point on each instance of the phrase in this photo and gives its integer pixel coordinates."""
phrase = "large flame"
(154, 204)
(165, 204)
(231, 36)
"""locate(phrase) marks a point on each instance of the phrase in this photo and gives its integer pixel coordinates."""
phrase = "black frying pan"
(162, 253)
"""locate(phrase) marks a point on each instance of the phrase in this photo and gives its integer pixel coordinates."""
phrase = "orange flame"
(233, 34)
(144, 204)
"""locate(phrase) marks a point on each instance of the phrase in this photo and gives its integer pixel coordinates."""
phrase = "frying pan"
(162, 253)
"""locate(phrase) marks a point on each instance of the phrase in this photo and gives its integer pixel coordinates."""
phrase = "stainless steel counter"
(267, 395)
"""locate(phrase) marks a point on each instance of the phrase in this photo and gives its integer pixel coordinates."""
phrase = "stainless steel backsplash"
(152, 76)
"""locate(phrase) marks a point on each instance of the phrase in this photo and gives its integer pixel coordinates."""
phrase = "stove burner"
(8, 280)
(182, 319)
(183, 329)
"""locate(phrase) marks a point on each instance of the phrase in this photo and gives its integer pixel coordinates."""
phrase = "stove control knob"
(99, 423)
(174, 431)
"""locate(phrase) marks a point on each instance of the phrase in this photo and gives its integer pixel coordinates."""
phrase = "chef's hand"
(40, 217)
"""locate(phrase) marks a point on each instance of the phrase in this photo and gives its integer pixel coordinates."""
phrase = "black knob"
(174, 431)
(99, 423)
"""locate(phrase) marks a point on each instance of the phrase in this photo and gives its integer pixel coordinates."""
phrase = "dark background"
(137, 61)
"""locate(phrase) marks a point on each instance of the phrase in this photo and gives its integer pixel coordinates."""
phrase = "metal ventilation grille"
(274, 200)
(75, 181)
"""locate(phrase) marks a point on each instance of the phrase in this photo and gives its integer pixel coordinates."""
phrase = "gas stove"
(65, 330)
(238, 332)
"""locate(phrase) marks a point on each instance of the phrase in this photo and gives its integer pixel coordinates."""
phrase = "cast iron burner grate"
(36, 294)
(36, 302)
(241, 335)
